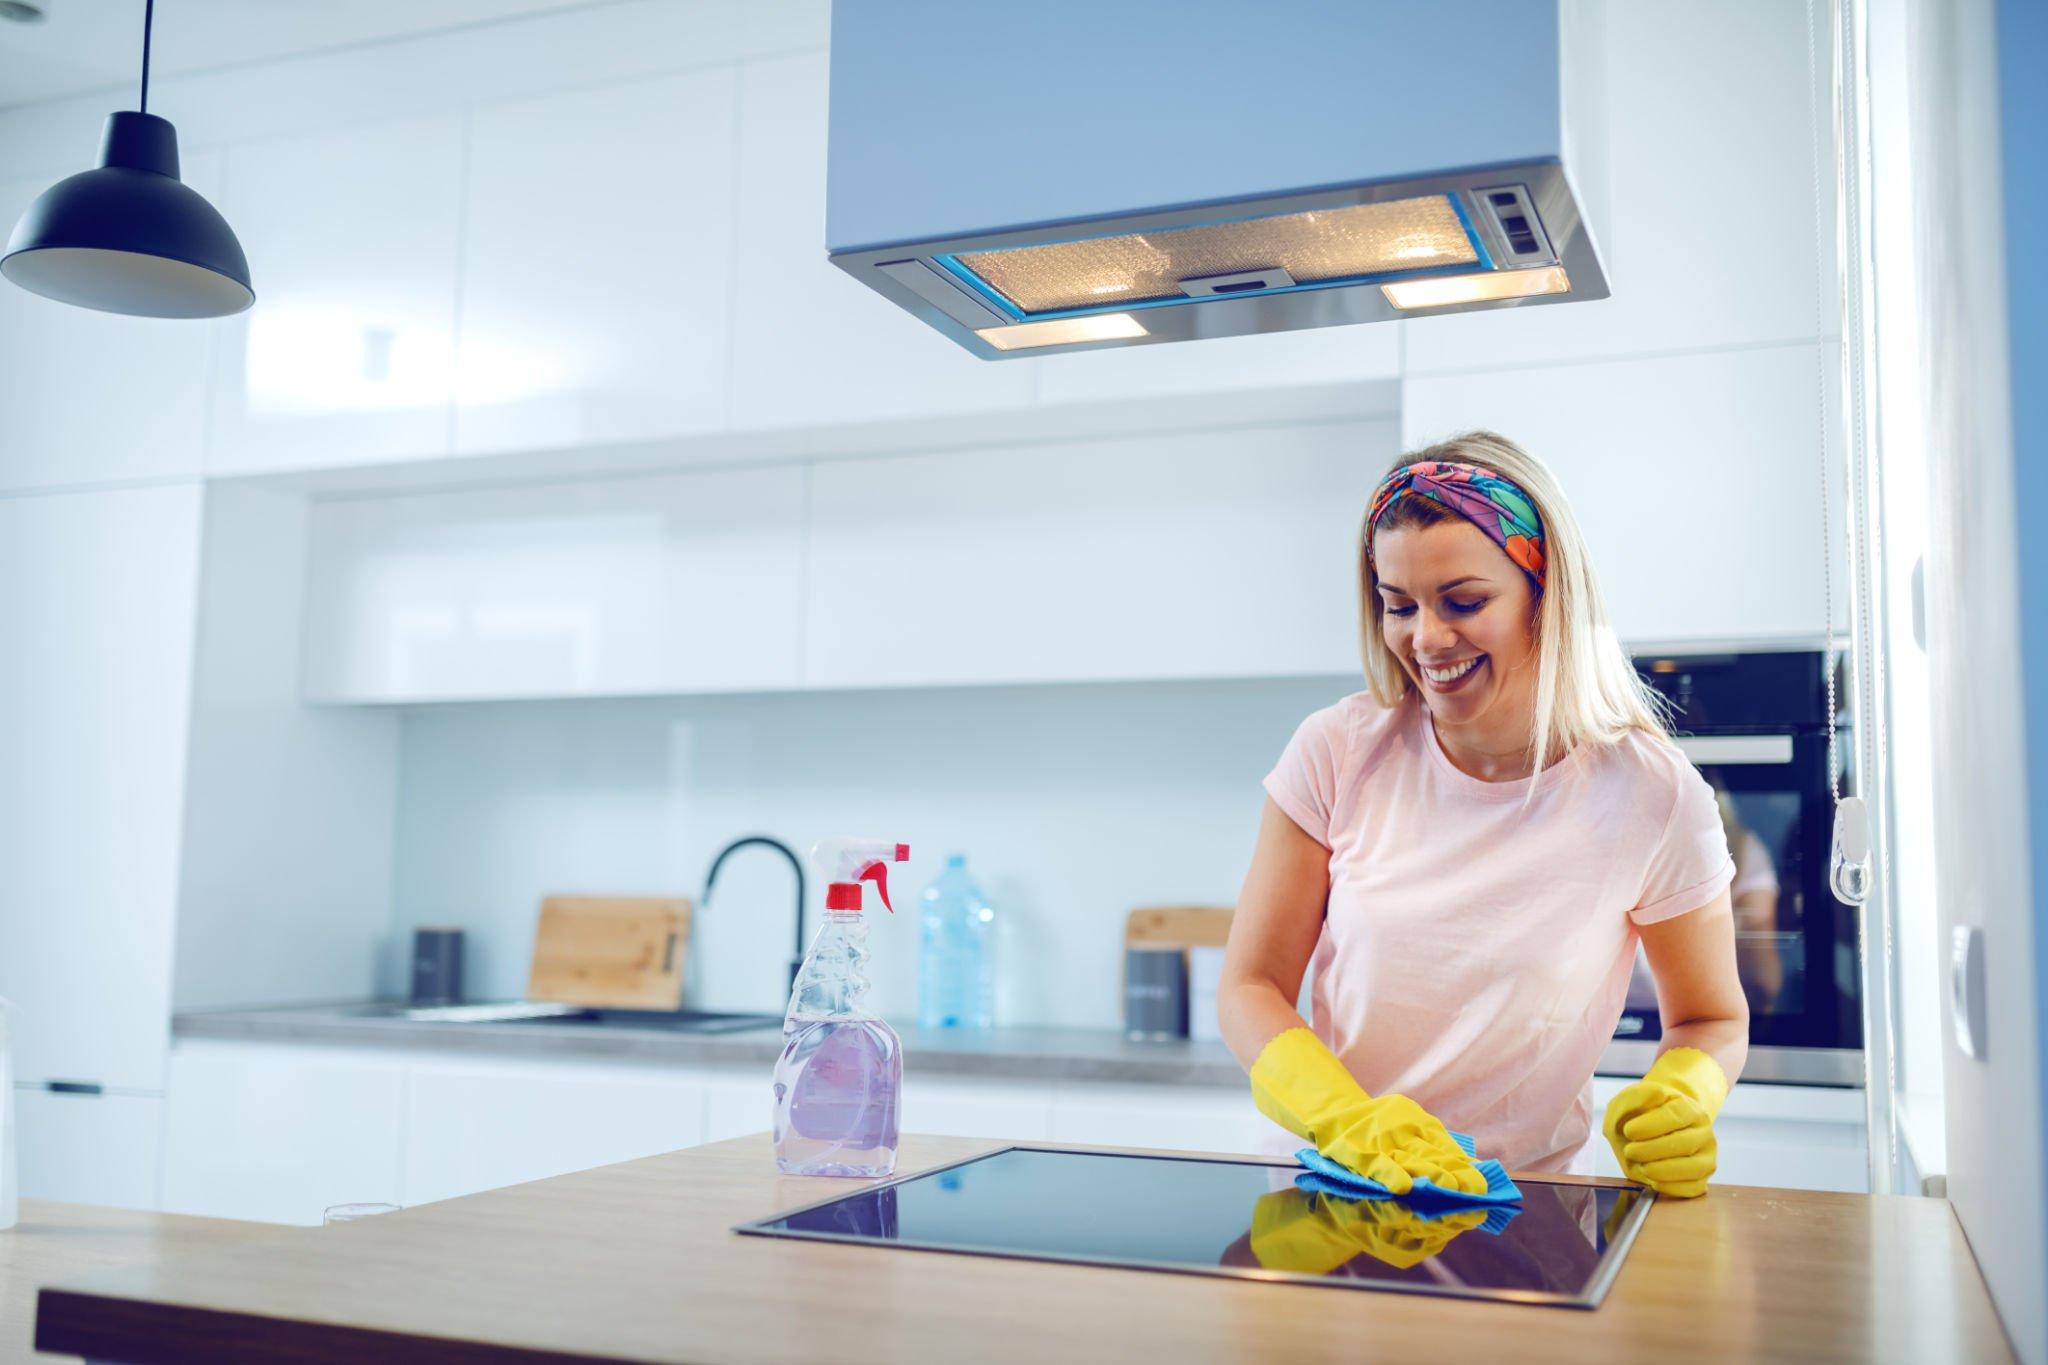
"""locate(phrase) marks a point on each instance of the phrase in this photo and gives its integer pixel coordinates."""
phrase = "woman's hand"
(1662, 1127)
(1299, 1084)
(1396, 1141)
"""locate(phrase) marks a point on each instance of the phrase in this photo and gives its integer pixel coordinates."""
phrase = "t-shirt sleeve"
(1690, 865)
(1304, 782)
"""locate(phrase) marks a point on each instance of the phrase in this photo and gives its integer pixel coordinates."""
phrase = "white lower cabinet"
(473, 1126)
(88, 1149)
(1797, 1137)
(278, 1134)
(736, 1103)
(1020, 1110)
(1178, 1118)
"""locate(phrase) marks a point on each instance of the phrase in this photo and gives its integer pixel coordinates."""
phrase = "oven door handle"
(1727, 750)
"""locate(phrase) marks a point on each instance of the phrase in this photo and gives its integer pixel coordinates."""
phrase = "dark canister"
(437, 966)
(1155, 993)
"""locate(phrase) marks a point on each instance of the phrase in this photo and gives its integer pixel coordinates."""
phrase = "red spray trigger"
(878, 873)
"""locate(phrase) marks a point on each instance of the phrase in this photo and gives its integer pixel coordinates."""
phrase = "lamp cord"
(148, 18)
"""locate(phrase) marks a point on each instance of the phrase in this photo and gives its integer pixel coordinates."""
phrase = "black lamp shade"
(130, 237)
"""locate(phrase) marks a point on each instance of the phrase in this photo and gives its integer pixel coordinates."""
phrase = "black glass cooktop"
(1210, 1216)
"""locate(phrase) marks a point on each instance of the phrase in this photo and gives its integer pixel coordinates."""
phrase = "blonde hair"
(1587, 692)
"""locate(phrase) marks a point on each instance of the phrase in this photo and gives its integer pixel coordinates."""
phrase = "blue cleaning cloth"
(1503, 1197)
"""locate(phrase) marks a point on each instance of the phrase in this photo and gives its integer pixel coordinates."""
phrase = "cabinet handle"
(73, 1087)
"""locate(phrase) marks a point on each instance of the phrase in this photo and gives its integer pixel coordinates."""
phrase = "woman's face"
(1459, 615)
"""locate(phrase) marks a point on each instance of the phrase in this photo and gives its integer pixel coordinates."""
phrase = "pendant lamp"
(129, 236)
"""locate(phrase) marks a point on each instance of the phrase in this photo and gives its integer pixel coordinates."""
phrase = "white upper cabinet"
(597, 266)
(348, 355)
(679, 583)
(1700, 126)
(98, 597)
(89, 397)
(1216, 554)
(811, 346)
(1696, 479)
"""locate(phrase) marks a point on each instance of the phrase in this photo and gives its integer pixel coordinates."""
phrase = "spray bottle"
(841, 1071)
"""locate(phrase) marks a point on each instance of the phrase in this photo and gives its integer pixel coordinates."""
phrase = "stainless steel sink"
(530, 1013)
(668, 1021)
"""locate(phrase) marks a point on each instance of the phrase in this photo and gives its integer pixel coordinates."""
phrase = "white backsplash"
(1074, 804)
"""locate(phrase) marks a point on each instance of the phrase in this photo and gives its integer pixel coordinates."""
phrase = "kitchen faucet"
(796, 960)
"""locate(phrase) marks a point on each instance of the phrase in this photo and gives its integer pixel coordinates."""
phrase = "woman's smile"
(1450, 677)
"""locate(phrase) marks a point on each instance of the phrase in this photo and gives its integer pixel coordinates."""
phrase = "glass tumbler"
(349, 1213)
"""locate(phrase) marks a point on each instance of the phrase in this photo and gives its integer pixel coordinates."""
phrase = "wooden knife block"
(610, 952)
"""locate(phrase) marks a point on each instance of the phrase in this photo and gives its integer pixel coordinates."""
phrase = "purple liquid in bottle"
(836, 1090)
(841, 1071)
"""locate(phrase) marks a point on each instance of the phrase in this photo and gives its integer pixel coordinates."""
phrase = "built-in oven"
(1755, 724)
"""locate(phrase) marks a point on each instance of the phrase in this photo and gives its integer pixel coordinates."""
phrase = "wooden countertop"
(74, 1241)
(637, 1262)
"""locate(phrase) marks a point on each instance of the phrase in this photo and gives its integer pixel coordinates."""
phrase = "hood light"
(1485, 287)
(1063, 331)
(1294, 248)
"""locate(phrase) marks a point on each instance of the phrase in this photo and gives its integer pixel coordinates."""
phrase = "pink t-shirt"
(1476, 949)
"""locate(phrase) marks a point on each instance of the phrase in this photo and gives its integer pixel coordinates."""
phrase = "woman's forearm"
(1725, 1040)
(1699, 988)
(1251, 1014)
(1272, 936)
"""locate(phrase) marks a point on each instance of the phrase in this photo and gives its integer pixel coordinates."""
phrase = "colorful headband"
(1479, 495)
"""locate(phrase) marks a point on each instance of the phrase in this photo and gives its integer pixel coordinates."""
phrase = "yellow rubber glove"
(1300, 1085)
(1314, 1234)
(1662, 1127)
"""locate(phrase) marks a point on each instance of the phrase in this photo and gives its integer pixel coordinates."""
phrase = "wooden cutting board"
(1177, 926)
(610, 952)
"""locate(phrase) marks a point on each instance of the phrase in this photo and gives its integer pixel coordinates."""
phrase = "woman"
(1470, 851)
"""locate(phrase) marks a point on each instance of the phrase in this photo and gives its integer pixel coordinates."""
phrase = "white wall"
(1974, 646)
(1074, 804)
(286, 886)
(1909, 737)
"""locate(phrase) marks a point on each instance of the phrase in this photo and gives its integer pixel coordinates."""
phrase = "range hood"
(1078, 174)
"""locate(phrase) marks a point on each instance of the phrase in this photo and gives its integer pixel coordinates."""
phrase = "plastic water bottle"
(839, 1079)
(956, 981)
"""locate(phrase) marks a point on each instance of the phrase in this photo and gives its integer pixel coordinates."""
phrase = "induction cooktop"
(1242, 1219)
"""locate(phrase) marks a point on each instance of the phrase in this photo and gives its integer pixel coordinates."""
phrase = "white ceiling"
(91, 45)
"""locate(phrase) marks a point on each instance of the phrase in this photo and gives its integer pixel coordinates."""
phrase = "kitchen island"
(638, 1261)
(59, 1242)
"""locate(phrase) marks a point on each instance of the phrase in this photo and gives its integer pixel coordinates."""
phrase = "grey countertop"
(1012, 1054)
(1052, 1054)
